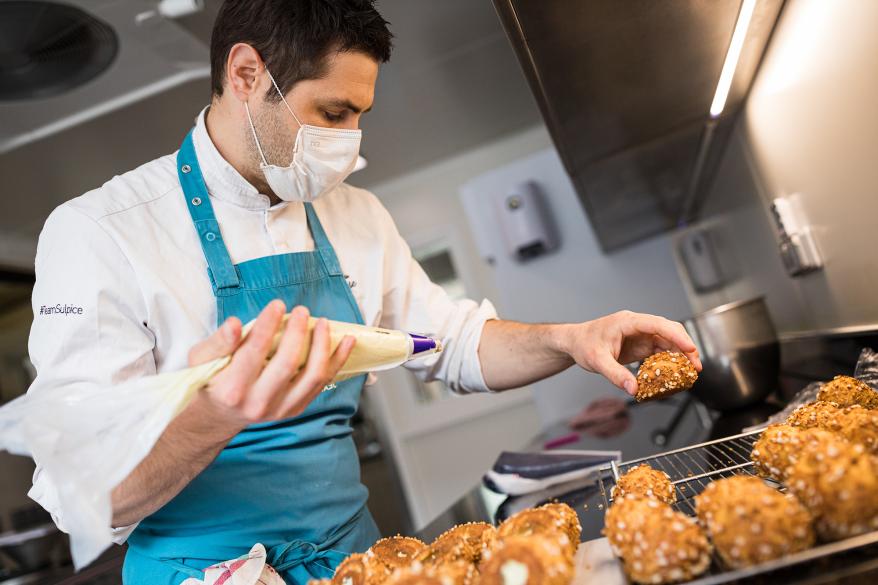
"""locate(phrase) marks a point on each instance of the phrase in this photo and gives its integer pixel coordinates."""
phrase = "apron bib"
(292, 485)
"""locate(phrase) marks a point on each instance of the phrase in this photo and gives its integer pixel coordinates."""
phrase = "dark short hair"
(294, 37)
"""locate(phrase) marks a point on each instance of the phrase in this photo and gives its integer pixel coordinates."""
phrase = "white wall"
(810, 127)
(442, 449)
(578, 281)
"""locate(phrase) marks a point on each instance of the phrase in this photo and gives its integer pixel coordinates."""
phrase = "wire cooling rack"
(692, 468)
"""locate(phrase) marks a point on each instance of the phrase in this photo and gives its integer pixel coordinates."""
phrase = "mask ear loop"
(255, 138)
(283, 99)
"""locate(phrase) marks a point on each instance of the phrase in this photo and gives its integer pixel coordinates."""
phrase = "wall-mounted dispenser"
(525, 221)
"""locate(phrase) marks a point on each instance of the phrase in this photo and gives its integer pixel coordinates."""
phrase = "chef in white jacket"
(156, 269)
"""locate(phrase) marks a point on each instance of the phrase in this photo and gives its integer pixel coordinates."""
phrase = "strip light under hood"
(732, 57)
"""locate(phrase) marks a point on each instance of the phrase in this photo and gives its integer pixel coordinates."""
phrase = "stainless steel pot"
(740, 352)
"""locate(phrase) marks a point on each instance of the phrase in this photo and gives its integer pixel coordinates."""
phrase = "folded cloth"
(249, 569)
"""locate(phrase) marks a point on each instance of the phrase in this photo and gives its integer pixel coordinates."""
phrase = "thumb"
(616, 373)
(221, 343)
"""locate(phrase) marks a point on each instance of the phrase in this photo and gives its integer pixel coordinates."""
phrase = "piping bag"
(88, 439)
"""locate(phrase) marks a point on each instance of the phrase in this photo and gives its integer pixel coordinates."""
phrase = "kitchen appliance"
(32, 549)
(82, 59)
(740, 352)
(639, 97)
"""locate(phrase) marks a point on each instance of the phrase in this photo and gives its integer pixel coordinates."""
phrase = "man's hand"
(249, 390)
(516, 354)
(603, 345)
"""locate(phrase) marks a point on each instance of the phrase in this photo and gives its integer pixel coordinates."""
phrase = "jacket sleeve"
(412, 302)
(89, 327)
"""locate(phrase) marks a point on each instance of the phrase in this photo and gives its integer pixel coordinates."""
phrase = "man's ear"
(242, 72)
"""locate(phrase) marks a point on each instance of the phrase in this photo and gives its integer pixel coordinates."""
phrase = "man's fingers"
(616, 373)
(270, 388)
(255, 347)
(221, 343)
(311, 380)
(671, 331)
(342, 353)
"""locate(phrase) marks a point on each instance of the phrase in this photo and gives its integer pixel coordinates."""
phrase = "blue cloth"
(294, 484)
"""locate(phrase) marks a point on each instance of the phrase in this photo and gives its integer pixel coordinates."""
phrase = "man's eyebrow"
(342, 103)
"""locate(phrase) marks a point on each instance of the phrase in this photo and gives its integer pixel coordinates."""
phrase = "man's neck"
(225, 133)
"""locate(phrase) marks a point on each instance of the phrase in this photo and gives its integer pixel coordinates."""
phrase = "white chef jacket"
(122, 289)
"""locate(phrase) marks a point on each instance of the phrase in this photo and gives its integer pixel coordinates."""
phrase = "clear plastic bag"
(865, 371)
(88, 441)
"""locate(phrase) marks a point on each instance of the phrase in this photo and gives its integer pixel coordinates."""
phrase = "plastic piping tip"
(422, 344)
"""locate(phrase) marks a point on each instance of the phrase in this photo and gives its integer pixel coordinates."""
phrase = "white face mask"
(322, 159)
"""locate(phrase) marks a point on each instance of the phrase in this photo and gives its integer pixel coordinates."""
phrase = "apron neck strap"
(210, 237)
(321, 242)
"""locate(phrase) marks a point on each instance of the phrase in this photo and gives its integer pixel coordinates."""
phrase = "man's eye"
(330, 117)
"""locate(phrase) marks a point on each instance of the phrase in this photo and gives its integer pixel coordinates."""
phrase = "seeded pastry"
(451, 573)
(656, 543)
(751, 523)
(466, 542)
(779, 447)
(854, 423)
(540, 521)
(645, 481)
(838, 482)
(569, 520)
(814, 415)
(527, 560)
(358, 569)
(396, 552)
(664, 374)
(847, 391)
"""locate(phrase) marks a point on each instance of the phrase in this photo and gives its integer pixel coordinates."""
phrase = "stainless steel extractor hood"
(626, 87)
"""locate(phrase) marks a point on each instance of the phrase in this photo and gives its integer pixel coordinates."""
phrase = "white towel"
(250, 569)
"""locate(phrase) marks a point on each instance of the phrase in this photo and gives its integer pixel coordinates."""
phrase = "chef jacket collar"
(222, 180)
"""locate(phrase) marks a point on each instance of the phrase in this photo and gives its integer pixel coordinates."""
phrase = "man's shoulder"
(143, 185)
(357, 203)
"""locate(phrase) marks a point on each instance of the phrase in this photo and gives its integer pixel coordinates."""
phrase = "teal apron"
(294, 484)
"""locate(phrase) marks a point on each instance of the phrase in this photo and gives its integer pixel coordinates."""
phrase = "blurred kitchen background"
(594, 167)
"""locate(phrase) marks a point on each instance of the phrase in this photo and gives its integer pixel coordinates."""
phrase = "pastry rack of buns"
(755, 503)
(533, 547)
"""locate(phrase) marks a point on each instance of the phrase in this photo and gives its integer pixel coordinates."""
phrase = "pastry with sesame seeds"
(838, 482)
(527, 560)
(847, 391)
(656, 543)
(569, 520)
(466, 542)
(396, 552)
(358, 569)
(645, 481)
(814, 415)
(751, 523)
(450, 573)
(664, 374)
(540, 521)
(855, 423)
(779, 447)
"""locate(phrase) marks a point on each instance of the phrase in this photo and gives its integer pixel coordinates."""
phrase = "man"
(249, 219)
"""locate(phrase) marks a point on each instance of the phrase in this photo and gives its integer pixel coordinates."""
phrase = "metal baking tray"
(692, 468)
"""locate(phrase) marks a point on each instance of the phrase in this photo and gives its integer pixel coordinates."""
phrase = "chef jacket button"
(210, 236)
(185, 168)
(196, 201)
